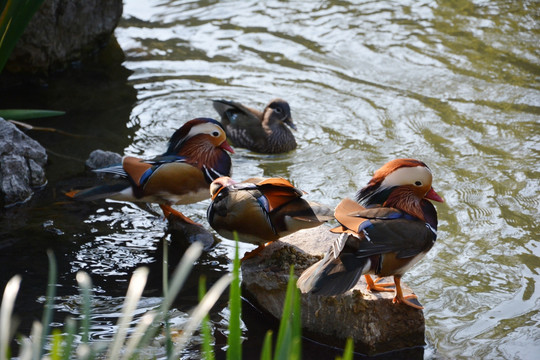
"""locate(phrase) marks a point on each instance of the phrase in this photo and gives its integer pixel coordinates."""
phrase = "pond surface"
(452, 83)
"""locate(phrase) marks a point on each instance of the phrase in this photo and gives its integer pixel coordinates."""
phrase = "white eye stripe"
(204, 128)
(408, 176)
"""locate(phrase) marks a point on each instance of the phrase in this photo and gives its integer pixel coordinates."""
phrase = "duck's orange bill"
(432, 195)
(225, 146)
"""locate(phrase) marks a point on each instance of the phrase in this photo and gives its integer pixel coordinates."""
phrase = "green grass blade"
(133, 295)
(234, 341)
(35, 335)
(85, 285)
(200, 312)
(49, 304)
(56, 348)
(22, 114)
(138, 333)
(288, 344)
(165, 267)
(165, 284)
(6, 311)
(266, 352)
(348, 352)
(13, 20)
(69, 329)
(25, 352)
(178, 278)
(207, 350)
(297, 319)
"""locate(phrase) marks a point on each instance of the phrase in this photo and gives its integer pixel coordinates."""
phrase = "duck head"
(219, 184)
(200, 132)
(400, 183)
(278, 111)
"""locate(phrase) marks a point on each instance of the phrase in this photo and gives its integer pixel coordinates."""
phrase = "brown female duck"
(264, 132)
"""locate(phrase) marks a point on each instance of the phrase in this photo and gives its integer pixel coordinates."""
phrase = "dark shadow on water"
(97, 99)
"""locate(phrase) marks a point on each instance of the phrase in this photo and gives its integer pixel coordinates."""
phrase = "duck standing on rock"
(261, 210)
(264, 132)
(388, 230)
(196, 156)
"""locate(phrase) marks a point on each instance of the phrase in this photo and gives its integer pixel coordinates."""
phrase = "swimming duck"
(261, 210)
(196, 156)
(264, 132)
(390, 227)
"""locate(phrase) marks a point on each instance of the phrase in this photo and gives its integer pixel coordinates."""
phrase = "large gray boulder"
(22, 165)
(63, 31)
(371, 319)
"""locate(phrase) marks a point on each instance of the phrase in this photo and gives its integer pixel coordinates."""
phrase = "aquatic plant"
(14, 18)
(74, 341)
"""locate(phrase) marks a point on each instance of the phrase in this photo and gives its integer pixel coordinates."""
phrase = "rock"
(22, 163)
(64, 31)
(101, 158)
(181, 231)
(371, 319)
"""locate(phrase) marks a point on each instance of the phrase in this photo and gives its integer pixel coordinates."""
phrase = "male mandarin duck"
(388, 230)
(264, 132)
(261, 210)
(196, 156)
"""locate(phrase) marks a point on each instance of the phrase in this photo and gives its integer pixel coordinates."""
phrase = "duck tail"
(96, 192)
(322, 212)
(332, 276)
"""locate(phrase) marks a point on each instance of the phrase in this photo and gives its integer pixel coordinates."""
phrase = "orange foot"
(167, 210)
(400, 299)
(254, 252)
(374, 286)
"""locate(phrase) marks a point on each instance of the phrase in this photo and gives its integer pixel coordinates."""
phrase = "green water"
(452, 83)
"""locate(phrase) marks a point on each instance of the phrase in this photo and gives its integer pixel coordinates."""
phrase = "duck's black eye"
(418, 183)
(278, 110)
(215, 133)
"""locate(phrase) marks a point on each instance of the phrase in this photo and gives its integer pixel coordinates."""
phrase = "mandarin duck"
(261, 210)
(390, 227)
(196, 156)
(264, 132)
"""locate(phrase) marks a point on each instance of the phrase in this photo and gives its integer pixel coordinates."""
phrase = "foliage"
(63, 345)
(14, 17)
(22, 114)
(234, 341)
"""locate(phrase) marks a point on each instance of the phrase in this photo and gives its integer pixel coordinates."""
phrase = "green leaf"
(49, 304)
(56, 348)
(85, 286)
(22, 114)
(348, 352)
(207, 350)
(289, 340)
(6, 312)
(266, 352)
(69, 328)
(234, 341)
(14, 18)
(178, 278)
